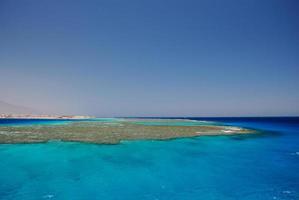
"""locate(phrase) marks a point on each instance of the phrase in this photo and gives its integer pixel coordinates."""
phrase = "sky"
(151, 57)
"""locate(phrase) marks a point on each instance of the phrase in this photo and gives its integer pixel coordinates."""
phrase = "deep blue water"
(258, 167)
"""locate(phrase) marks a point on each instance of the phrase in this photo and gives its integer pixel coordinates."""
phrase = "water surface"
(216, 167)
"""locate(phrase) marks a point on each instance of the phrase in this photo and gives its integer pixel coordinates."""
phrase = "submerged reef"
(115, 130)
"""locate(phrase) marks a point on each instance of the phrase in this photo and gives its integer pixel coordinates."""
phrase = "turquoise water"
(32, 122)
(43, 122)
(176, 123)
(220, 167)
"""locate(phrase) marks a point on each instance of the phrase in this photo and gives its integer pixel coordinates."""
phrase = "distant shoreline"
(31, 116)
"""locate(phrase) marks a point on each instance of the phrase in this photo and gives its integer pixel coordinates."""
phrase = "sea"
(263, 166)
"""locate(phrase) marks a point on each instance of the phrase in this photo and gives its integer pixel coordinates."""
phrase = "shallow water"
(43, 122)
(176, 123)
(216, 167)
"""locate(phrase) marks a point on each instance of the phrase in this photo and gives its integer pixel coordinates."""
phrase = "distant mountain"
(6, 108)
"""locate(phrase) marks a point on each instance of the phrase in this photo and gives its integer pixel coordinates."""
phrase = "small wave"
(48, 196)
(295, 153)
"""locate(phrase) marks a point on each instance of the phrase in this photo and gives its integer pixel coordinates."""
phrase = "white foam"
(227, 131)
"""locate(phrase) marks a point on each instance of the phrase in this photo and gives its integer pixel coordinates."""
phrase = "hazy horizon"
(6, 108)
(151, 58)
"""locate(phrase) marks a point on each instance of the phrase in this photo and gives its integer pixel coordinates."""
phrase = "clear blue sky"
(151, 58)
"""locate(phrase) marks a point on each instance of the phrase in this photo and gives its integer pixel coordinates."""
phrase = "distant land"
(7, 108)
(11, 111)
(32, 116)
